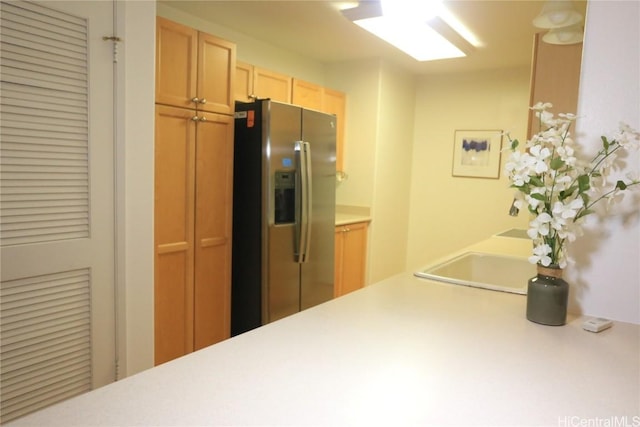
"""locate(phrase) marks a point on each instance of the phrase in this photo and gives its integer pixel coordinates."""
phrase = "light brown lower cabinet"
(192, 213)
(350, 257)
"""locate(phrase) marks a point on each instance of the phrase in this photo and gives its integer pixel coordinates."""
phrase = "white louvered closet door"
(57, 330)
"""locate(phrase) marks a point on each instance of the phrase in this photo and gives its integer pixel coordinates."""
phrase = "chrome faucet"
(513, 210)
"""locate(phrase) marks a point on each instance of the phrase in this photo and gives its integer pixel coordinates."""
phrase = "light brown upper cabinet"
(254, 82)
(316, 97)
(307, 95)
(555, 78)
(193, 69)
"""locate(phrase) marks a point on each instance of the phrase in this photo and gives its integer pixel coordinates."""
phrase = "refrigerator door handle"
(303, 213)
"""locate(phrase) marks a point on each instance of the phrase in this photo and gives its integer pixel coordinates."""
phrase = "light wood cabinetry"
(213, 225)
(555, 78)
(316, 97)
(243, 89)
(174, 231)
(193, 194)
(350, 257)
(307, 95)
(254, 82)
(193, 69)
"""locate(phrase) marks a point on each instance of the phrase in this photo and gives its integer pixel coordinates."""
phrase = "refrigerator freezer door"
(281, 272)
(316, 284)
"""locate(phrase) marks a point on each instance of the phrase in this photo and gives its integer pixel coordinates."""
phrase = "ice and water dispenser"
(284, 197)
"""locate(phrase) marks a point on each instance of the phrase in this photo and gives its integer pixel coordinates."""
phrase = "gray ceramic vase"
(547, 297)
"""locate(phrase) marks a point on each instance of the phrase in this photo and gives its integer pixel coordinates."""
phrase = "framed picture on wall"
(476, 153)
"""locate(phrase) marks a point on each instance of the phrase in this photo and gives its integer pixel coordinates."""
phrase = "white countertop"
(402, 351)
(344, 218)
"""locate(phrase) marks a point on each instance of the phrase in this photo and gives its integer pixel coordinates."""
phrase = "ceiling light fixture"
(421, 33)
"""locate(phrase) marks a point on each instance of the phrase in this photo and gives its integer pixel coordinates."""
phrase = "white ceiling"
(317, 29)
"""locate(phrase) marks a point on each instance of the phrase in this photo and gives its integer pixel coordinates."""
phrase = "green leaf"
(538, 196)
(585, 198)
(556, 163)
(583, 183)
(621, 185)
(536, 181)
(567, 193)
(514, 144)
(605, 143)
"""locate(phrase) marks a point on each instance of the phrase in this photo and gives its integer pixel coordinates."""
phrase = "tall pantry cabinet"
(193, 189)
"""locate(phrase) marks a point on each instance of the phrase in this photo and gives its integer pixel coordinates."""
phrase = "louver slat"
(44, 129)
(45, 321)
(45, 340)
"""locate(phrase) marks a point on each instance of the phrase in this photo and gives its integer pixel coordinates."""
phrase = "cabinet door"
(354, 257)
(213, 201)
(269, 84)
(339, 245)
(244, 82)
(176, 56)
(307, 95)
(216, 74)
(351, 247)
(174, 232)
(335, 102)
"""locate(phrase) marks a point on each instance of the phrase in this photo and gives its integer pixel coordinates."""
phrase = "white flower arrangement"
(557, 188)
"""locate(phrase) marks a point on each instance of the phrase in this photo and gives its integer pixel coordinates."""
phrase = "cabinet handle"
(195, 99)
(195, 118)
(203, 119)
(202, 101)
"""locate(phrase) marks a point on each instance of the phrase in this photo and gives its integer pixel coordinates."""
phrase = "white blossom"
(541, 255)
(539, 226)
(569, 210)
(559, 188)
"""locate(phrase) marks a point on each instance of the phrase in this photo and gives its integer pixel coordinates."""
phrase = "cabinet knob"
(195, 99)
(203, 119)
(195, 118)
(203, 101)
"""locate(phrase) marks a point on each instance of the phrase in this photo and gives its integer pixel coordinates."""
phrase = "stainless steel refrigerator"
(283, 212)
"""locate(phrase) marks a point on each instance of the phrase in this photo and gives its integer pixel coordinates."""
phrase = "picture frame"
(476, 153)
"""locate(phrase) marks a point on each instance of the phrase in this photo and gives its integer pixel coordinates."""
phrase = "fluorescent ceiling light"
(423, 29)
(416, 39)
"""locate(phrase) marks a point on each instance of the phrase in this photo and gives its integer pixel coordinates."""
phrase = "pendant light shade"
(557, 14)
(565, 35)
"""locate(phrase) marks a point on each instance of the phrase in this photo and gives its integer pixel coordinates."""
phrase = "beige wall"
(392, 174)
(360, 81)
(378, 156)
(449, 213)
